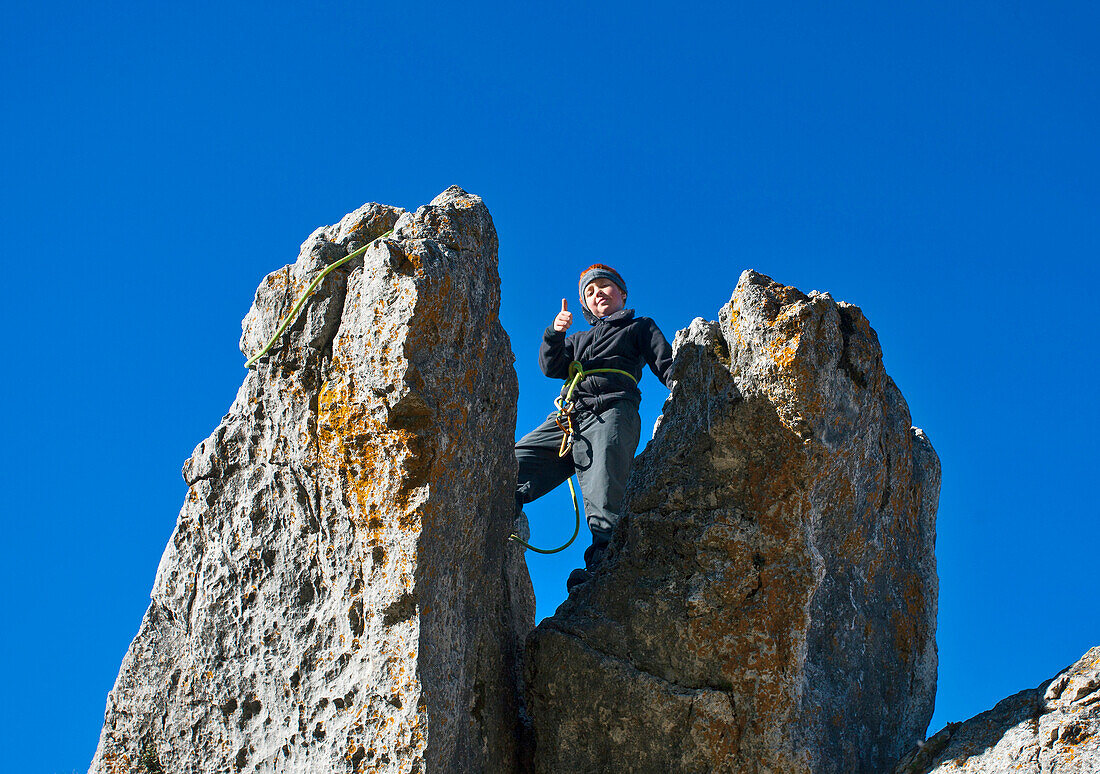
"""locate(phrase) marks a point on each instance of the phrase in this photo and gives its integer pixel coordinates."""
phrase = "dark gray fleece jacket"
(619, 340)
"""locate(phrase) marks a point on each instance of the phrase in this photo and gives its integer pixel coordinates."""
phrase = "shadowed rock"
(1052, 728)
(769, 604)
(338, 594)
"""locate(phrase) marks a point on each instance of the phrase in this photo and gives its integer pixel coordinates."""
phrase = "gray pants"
(602, 453)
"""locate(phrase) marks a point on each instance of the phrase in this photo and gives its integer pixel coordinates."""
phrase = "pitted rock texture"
(1052, 729)
(338, 594)
(769, 603)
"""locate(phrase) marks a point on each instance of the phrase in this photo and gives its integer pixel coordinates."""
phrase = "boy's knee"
(602, 520)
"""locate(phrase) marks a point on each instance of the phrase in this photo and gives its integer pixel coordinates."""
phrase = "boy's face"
(603, 297)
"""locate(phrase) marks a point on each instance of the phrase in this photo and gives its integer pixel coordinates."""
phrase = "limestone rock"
(1052, 728)
(338, 594)
(769, 603)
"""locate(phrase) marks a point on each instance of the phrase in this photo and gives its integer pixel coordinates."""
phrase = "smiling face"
(603, 297)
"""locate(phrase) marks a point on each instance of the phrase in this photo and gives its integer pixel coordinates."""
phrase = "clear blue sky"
(935, 164)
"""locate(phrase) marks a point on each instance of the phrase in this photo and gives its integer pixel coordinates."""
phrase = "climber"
(596, 431)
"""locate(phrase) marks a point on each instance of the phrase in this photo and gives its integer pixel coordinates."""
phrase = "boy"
(605, 406)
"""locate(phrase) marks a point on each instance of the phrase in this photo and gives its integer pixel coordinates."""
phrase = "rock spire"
(338, 594)
(769, 604)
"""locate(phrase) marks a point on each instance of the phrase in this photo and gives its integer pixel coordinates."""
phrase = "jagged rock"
(338, 594)
(1052, 728)
(769, 604)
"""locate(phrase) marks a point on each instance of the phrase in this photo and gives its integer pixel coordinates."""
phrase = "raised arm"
(556, 352)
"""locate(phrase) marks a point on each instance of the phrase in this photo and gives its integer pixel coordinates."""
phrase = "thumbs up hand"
(564, 318)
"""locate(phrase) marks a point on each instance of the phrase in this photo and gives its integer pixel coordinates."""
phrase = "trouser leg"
(540, 467)
(602, 455)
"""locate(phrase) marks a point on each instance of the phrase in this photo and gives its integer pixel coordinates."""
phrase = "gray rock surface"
(769, 604)
(338, 594)
(1051, 729)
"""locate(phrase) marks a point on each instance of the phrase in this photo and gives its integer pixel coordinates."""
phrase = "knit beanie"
(597, 271)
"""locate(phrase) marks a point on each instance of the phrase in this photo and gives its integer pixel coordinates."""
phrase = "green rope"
(576, 528)
(294, 312)
(577, 372)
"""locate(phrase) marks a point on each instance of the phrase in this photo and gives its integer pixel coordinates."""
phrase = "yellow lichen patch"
(116, 763)
(785, 353)
(373, 463)
(276, 280)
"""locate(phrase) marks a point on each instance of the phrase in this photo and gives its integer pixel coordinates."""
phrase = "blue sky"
(935, 164)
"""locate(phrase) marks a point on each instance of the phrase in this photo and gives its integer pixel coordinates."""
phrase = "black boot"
(595, 553)
(576, 578)
(593, 557)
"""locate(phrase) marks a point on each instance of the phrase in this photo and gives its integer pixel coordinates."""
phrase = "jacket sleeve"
(556, 353)
(658, 353)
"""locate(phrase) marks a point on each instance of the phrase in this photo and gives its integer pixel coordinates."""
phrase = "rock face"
(338, 594)
(769, 604)
(1052, 728)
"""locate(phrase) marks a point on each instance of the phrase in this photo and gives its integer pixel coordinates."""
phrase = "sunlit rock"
(338, 594)
(769, 604)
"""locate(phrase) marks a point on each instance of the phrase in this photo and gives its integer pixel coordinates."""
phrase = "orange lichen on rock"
(760, 560)
(334, 542)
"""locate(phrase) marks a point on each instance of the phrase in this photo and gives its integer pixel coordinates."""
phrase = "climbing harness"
(297, 307)
(564, 419)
